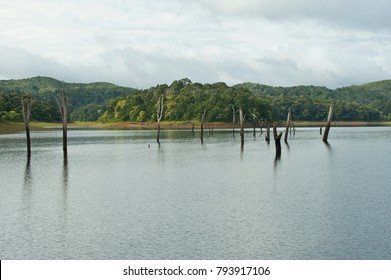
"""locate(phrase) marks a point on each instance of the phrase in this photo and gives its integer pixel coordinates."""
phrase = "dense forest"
(86, 101)
(186, 101)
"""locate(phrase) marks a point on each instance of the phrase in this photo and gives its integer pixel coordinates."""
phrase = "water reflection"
(27, 175)
(65, 177)
(328, 146)
(277, 161)
(287, 146)
(26, 203)
(160, 154)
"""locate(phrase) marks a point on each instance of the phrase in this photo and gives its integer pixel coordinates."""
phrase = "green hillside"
(186, 101)
(86, 101)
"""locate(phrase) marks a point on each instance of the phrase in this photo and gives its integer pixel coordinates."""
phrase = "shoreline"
(15, 127)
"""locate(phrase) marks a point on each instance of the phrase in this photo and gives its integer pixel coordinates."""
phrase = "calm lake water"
(116, 198)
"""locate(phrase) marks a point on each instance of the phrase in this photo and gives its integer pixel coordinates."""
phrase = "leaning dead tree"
(288, 124)
(26, 110)
(241, 120)
(159, 116)
(277, 140)
(63, 106)
(202, 126)
(328, 125)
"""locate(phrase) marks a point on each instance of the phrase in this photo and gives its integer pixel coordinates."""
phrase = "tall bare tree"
(159, 116)
(26, 110)
(202, 126)
(241, 119)
(63, 107)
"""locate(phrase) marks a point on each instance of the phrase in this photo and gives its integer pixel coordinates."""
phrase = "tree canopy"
(186, 101)
(86, 101)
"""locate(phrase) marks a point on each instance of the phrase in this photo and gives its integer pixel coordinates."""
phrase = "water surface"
(116, 197)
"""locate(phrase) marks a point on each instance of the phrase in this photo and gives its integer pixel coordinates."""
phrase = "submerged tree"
(277, 140)
(233, 120)
(241, 119)
(288, 125)
(26, 110)
(202, 126)
(63, 107)
(328, 125)
(159, 117)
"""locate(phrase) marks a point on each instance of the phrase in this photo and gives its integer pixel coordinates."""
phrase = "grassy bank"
(14, 127)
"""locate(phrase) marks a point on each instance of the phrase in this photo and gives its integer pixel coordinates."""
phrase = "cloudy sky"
(141, 43)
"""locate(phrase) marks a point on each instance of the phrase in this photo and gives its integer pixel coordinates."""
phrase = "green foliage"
(86, 102)
(186, 101)
(10, 116)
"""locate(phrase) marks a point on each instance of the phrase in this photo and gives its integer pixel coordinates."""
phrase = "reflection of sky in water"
(115, 197)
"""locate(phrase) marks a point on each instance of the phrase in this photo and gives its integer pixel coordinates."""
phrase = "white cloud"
(142, 43)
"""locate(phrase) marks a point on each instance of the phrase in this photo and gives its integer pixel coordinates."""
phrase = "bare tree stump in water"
(328, 125)
(277, 140)
(159, 117)
(26, 110)
(63, 107)
(192, 129)
(267, 137)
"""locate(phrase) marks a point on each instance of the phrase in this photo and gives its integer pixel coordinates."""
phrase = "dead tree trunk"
(241, 119)
(288, 124)
(261, 126)
(26, 110)
(328, 125)
(63, 106)
(233, 120)
(202, 126)
(267, 137)
(254, 121)
(159, 117)
(192, 129)
(277, 140)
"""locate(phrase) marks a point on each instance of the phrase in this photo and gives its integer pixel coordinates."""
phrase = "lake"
(116, 197)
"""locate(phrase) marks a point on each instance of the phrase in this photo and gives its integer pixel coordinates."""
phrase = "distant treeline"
(186, 101)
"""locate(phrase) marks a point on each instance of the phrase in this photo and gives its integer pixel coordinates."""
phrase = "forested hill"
(186, 101)
(375, 92)
(86, 101)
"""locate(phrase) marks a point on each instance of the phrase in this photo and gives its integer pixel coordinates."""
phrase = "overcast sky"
(141, 43)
